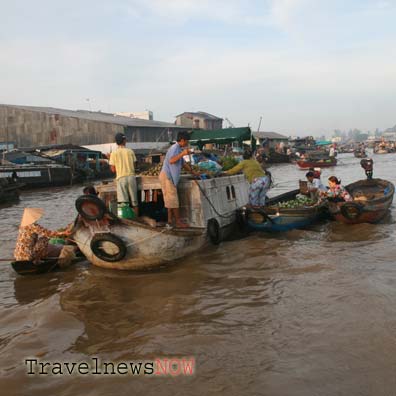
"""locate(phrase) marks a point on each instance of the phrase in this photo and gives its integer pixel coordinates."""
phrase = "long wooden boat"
(209, 207)
(371, 201)
(272, 217)
(277, 158)
(317, 163)
(38, 175)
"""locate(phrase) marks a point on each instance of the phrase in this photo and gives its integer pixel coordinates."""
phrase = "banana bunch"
(296, 203)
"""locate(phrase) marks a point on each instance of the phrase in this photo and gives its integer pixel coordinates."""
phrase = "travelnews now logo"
(158, 367)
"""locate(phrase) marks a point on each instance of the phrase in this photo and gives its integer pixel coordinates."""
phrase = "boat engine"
(367, 165)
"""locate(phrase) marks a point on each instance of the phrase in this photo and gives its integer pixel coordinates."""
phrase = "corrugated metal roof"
(269, 135)
(98, 116)
(201, 114)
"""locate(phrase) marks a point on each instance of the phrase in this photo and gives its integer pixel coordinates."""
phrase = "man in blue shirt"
(170, 176)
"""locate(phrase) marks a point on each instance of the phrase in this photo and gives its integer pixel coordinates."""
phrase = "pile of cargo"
(298, 202)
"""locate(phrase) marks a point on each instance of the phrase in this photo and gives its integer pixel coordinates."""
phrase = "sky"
(302, 66)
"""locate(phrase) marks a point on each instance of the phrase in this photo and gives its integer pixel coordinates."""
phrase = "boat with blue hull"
(275, 217)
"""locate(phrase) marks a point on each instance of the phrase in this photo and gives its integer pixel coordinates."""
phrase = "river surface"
(307, 312)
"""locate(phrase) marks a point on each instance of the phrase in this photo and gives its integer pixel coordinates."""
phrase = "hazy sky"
(305, 66)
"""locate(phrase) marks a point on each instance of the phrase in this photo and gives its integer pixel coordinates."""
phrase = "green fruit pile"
(153, 171)
(228, 162)
(296, 203)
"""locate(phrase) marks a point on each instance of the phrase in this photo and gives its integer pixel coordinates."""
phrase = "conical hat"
(31, 215)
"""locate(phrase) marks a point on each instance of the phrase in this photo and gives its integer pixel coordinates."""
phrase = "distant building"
(142, 115)
(199, 120)
(391, 136)
(28, 126)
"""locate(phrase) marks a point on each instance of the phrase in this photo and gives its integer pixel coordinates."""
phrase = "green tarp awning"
(201, 137)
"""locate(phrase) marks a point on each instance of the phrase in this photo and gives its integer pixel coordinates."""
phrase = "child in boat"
(33, 239)
(336, 192)
(259, 179)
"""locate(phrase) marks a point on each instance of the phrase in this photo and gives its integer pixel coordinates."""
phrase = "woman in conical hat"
(32, 243)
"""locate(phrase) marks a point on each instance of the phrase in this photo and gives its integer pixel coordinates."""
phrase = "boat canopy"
(220, 136)
(323, 142)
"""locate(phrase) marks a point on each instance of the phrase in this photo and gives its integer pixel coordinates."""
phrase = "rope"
(210, 203)
(149, 237)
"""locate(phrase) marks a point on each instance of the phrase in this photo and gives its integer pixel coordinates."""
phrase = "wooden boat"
(272, 217)
(38, 175)
(381, 151)
(276, 158)
(209, 206)
(371, 201)
(28, 267)
(317, 163)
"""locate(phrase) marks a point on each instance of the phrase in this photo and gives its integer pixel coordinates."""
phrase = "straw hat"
(31, 215)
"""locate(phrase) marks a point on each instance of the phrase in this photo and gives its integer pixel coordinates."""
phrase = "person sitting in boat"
(314, 185)
(336, 192)
(33, 240)
(259, 179)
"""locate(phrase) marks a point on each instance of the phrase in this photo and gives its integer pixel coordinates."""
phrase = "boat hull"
(147, 247)
(302, 164)
(273, 218)
(39, 175)
(379, 196)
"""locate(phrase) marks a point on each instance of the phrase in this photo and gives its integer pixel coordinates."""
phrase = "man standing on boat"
(170, 176)
(122, 163)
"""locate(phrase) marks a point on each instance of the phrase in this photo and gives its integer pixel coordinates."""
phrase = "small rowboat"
(28, 267)
(360, 154)
(272, 217)
(371, 201)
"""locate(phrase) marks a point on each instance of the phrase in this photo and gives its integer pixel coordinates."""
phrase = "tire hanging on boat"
(351, 210)
(90, 207)
(241, 220)
(103, 242)
(214, 232)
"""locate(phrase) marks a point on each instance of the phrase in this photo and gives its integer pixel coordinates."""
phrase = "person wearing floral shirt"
(336, 192)
(32, 243)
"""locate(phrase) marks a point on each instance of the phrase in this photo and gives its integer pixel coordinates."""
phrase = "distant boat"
(277, 158)
(317, 163)
(360, 154)
(38, 175)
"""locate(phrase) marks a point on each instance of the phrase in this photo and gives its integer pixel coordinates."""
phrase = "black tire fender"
(214, 232)
(98, 250)
(351, 210)
(241, 220)
(90, 207)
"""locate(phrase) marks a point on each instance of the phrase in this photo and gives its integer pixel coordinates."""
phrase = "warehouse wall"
(33, 128)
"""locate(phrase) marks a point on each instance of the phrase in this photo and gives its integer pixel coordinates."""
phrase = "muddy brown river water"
(307, 312)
